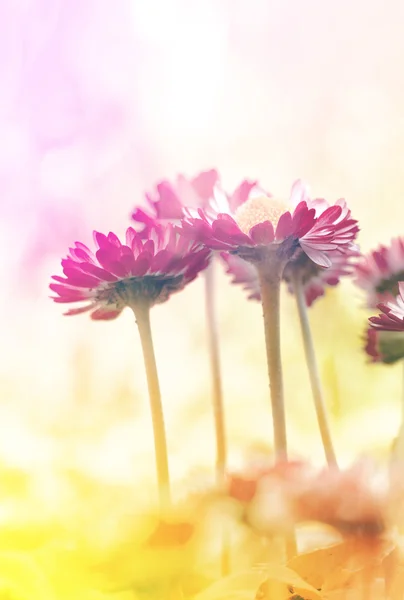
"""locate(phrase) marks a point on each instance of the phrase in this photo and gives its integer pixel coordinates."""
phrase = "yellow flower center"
(257, 210)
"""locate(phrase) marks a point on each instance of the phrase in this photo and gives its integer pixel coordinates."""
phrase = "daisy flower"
(139, 274)
(379, 272)
(260, 228)
(125, 274)
(167, 201)
(392, 313)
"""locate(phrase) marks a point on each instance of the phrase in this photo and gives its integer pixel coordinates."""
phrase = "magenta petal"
(107, 256)
(320, 258)
(80, 254)
(204, 183)
(161, 260)
(130, 236)
(330, 215)
(228, 231)
(98, 272)
(74, 293)
(128, 262)
(105, 314)
(80, 279)
(169, 205)
(114, 240)
(142, 264)
(149, 246)
(241, 194)
(263, 233)
(78, 311)
(284, 227)
(118, 268)
(141, 216)
(101, 240)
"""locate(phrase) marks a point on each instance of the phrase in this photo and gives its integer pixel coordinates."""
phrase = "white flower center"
(257, 210)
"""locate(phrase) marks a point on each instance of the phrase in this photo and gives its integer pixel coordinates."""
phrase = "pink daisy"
(392, 313)
(168, 201)
(259, 227)
(121, 274)
(315, 278)
(384, 346)
(379, 272)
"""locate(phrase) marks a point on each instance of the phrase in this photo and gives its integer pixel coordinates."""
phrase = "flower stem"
(270, 280)
(142, 315)
(221, 450)
(218, 409)
(319, 403)
(398, 445)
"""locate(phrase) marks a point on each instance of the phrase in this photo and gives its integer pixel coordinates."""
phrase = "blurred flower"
(384, 346)
(259, 227)
(379, 272)
(315, 278)
(392, 317)
(355, 501)
(169, 200)
(117, 274)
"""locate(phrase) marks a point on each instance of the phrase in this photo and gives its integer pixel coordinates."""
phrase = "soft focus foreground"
(98, 104)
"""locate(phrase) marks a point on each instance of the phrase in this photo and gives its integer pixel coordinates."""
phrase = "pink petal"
(105, 314)
(119, 268)
(98, 272)
(228, 231)
(107, 256)
(101, 240)
(284, 227)
(204, 183)
(241, 194)
(161, 260)
(149, 246)
(263, 233)
(169, 205)
(316, 256)
(114, 240)
(299, 193)
(142, 264)
(79, 311)
(80, 279)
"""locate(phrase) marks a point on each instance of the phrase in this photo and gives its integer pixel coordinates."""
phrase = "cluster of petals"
(150, 268)
(315, 278)
(170, 201)
(391, 317)
(379, 272)
(354, 502)
(313, 226)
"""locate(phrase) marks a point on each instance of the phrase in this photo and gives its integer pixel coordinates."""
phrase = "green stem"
(142, 315)
(270, 280)
(316, 388)
(221, 450)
